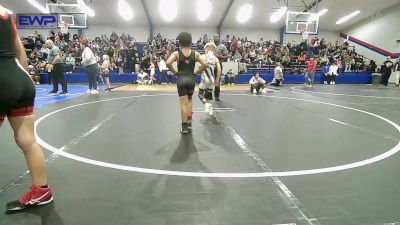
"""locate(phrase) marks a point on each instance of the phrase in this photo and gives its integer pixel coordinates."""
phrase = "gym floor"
(296, 155)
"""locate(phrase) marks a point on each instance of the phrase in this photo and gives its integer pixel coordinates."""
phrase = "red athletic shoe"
(35, 197)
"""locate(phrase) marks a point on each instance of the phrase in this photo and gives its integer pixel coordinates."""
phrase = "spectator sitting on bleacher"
(297, 70)
(40, 66)
(259, 59)
(324, 60)
(34, 74)
(352, 64)
(345, 45)
(301, 59)
(314, 42)
(286, 60)
(237, 57)
(70, 63)
(241, 50)
(252, 54)
(257, 84)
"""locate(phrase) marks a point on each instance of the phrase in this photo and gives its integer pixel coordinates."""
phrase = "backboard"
(296, 22)
(71, 14)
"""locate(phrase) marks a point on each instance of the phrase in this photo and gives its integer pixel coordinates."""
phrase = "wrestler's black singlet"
(16, 87)
(186, 77)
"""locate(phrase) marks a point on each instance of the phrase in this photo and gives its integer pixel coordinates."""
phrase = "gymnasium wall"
(381, 30)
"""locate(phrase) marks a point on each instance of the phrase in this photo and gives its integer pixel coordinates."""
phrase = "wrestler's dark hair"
(185, 39)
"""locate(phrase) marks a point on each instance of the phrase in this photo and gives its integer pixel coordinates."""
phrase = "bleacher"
(266, 72)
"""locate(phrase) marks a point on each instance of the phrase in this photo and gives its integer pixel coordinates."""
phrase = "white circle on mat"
(40, 89)
(365, 162)
(347, 95)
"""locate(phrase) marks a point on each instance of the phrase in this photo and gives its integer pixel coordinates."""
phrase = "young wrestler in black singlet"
(186, 60)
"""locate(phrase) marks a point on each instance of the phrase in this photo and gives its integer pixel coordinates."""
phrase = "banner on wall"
(37, 21)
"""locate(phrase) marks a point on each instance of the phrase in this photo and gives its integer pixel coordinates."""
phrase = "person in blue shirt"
(325, 73)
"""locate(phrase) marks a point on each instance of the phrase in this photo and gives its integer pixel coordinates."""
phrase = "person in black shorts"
(55, 68)
(17, 94)
(186, 60)
(222, 55)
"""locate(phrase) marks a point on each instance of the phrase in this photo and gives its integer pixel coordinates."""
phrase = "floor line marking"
(378, 103)
(52, 157)
(351, 125)
(353, 165)
(283, 191)
(55, 96)
(300, 93)
(202, 111)
(337, 121)
(337, 94)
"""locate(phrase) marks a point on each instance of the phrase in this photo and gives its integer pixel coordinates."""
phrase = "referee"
(222, 55)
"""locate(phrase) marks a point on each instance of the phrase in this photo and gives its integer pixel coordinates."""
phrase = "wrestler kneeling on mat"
(186, 60)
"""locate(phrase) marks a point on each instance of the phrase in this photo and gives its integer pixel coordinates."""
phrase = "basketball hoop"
(64, 27)
(304, 33)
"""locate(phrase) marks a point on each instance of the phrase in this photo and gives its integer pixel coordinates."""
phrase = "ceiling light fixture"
(39, 6)
(85, 8)
(8, 11)
(345, 18)
(125, 10)
(168, 9)
(244, 13)
(276, 16)
(316, 16)
(204, 8)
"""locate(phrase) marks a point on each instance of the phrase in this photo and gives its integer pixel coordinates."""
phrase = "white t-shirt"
(162, 66)
(88, 57)
(278, 72)
(142, 75)
(333, 70)
(254, 81)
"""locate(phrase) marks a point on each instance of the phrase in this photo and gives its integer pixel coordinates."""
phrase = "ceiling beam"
(312, 5)
(227, 9)
(146, 11)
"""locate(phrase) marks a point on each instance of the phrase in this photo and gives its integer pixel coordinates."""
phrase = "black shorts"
(185, 84)
(16, 89)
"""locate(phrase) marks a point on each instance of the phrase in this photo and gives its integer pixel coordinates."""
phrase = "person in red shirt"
(311, 67)
(301, 59)
(17, 97)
